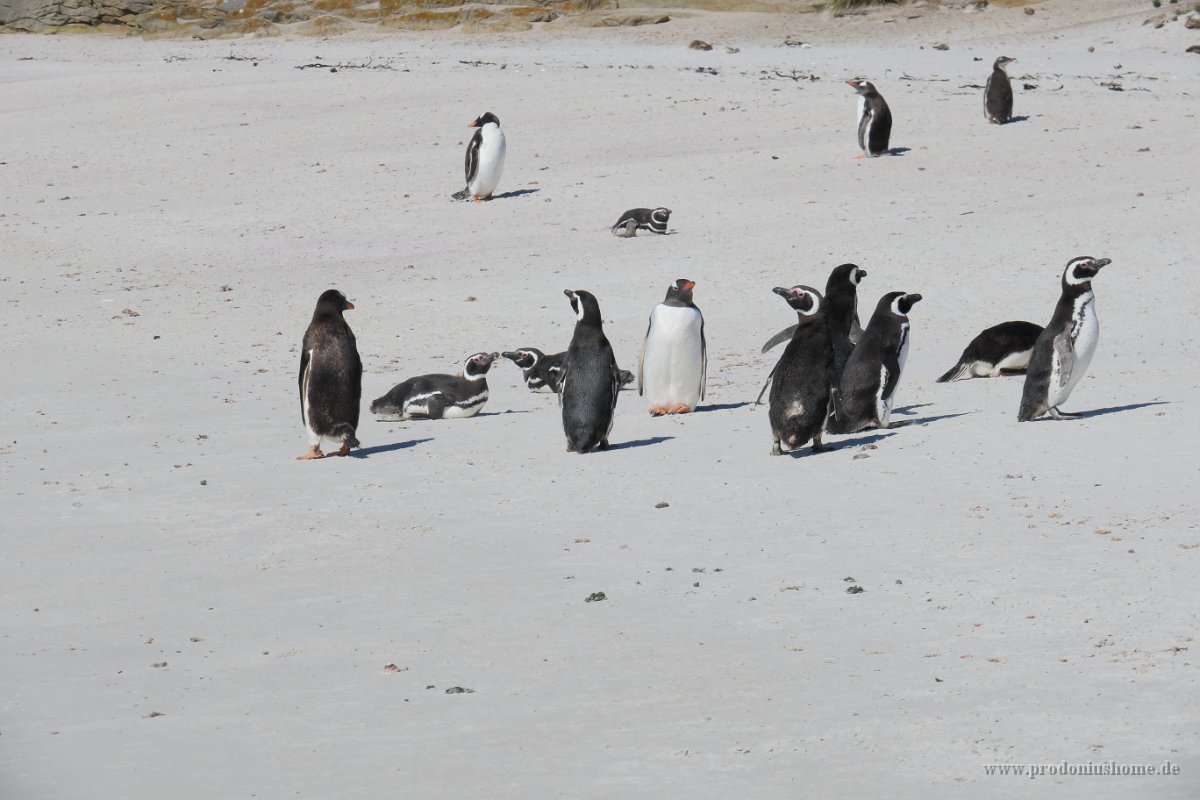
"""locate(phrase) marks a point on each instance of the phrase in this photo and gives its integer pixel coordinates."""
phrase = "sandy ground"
(190, 613)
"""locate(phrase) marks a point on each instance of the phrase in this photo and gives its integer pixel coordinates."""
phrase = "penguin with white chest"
(800, 389)
(330, 377)
(867, 389)
(997, 94)
(1065, 348)
(485, 158)
(674, 359)
(653, 220)
(874, 119)
(439, 396)
(1002, 349)
(590, 381)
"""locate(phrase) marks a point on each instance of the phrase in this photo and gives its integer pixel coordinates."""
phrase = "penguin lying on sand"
(644, 219)
(541, 371)
(439, 396)
(1002, 349)
(330, 377)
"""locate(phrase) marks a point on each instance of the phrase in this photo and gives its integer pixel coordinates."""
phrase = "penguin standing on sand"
(485, 159)
(867, 389)
(642, 219)
(1065, 348)
(590, 381)
(1002, 349)
(674, 358)
(439, 396)
(874, 119)
(800, 392)
(997, 94)
(330, 377)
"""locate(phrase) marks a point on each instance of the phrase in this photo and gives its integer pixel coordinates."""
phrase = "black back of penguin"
(647, 219)
(590, 382)
(330, 378)
(997, 94)
(841, 313)
(878, 356)
(437, 396)
(875, 121)
(800, 388)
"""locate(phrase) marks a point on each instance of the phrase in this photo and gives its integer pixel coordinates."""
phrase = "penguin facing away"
(642, 219)
(541, 371)
(800, 391)
(330, 377)
(485, 158)
(997, 94)
(674, 358)
(1002, 349)
(439, 396)
(590, 381)
(1065, 348)
(874, 119)
(867, 389)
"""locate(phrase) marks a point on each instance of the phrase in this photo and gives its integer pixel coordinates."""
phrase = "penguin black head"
(332, 303)
(805, 300)
(478, 365)
(585, 305)
(862, 87)
(1082, 269)
(524, 357)
(484, 119)
(660, 215)
(846, 272)
(680, 292)
(1002, 62)
(898, 303)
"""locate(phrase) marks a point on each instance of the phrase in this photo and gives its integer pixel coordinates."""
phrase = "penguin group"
(834, 375)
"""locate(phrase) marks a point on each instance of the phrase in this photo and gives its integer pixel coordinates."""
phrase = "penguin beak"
(349, 306)
(690, 285)
(474, 124)
(1100, 263)
(862, 273)
(510, 355)
(569, 293)
(782, 292)
(913, 299)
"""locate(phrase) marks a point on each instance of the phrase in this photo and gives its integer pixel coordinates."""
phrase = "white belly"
(673, 361)
(862, 110)
(492, 151)
(1087, 334)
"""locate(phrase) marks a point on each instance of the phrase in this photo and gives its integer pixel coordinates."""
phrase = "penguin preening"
(330, 377)
(439, 396)
(867, 389)
(1002, 349)
(590, 381)
(642, 219)
(874, 119)
(540, 371)
(800, 390)
(1066, 346)
(997, 94)
(674, 358)
(485, 158)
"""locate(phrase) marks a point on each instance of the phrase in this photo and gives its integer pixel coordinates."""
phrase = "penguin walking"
(1002, 349)
(997, 94)
(874, 119)
(439, 396)
(674, 359)
(642, 219)
(330, 377)
(589, 382)
(1065, 348)
(867, 389)
(800, 392)
(485, 158)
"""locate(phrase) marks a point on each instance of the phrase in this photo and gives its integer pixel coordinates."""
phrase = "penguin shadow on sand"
(845, 444)
(1100, 412)
(514, 193)
(367, 452)
(720, 407)
(897, 151)
(1011, 120)
(638, 443)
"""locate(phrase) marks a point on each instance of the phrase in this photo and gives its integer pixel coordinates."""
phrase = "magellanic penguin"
(874, 119)
(867, 388)
(674, 360)
(439, 396)
(590, 381)
(1002, 349)
(997, 95)
(642, 219)
(1065, 348)
(485, 159)
(330, 377)
(541, 371)
(800, 391)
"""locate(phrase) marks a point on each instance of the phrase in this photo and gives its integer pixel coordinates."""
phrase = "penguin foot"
(1062, 415)
(313, 452)
(775, 451)
(603, 445)
(859, 157)
(344, 450)
(658, 411)
(680, 409)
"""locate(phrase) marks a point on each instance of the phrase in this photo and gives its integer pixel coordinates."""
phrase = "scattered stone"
(1192, 23)
(854, 590)
(663, 504)
(154, 714)
(941, 46)
(459, 690)
(1194, 49)
(699, 44)
(595, 597)
(1029, 12)
(389, 667)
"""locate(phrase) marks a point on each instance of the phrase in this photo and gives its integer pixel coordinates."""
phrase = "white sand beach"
(189, 612)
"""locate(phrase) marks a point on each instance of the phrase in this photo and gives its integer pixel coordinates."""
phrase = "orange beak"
(349, 306)
(689, 285)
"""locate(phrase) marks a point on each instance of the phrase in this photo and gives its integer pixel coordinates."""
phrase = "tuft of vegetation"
(847, 5)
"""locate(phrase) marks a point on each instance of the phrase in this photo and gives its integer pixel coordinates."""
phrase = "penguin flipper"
(958, 372)
(642, 357)
(758, 400)
(703, 359)
(1065, 353)
(783, 336)
(304, 358)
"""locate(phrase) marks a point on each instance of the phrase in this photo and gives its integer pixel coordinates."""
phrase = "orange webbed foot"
(344, 450)
(680, 409)
(313, 452)
(658, 411)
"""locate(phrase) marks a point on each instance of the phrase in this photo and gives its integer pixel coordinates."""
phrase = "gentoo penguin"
(674, 359)
(485, 158)
(867, 388)
(802, 378)
(642, 219)
(439, 396)
(874, 119)
(997, 95)
(1065, 348)
(541, 371)
(330, 377)
(1002, 349)
(589, 382)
